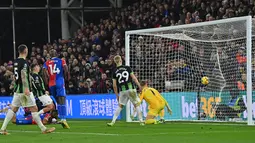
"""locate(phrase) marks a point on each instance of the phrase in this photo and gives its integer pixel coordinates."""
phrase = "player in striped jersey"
(22, 95)
(39, 90)
(124, 89)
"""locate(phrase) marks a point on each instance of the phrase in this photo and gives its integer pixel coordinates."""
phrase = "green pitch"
(98, 132)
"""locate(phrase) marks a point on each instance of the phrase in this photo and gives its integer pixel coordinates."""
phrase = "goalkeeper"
(156, 103)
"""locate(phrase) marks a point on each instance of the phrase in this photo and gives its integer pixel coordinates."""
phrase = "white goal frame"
(248, 20)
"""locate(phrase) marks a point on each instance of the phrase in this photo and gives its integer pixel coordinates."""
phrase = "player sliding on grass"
(161, 115)
(39, 90)
(47, 118)
(122, 82)
(156, 103)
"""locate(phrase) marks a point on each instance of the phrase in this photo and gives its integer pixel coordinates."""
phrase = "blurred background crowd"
(89, 54)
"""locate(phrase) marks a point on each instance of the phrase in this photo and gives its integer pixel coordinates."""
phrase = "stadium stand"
(90, 53)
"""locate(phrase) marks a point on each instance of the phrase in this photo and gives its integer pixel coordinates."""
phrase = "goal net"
(174, 59)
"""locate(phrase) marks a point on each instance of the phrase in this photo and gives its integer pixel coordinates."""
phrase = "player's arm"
(166, 103)
(45, 74)
(25, 82)
(135, 80)
(66, 73)
(141, 96)
(115, 88)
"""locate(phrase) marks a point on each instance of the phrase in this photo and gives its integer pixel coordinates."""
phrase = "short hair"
(53, 53)
(22, 48)
(33, 66)
(117, 59)
(143, 82)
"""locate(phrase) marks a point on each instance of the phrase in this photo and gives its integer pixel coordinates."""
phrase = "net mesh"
(174, 61)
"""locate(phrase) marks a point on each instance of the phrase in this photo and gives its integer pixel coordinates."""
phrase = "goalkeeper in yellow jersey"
(156, 103)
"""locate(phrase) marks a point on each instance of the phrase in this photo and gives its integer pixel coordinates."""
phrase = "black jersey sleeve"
(130, 71)
(114, 74)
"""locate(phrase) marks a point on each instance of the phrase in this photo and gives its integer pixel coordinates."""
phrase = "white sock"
(139, 113)
(40, 112)
(7, 119)
(116, 114)
(37, 119)
(134, 112)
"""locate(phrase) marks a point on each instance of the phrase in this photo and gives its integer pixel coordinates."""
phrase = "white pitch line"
(211, 124)
(174, 122)
(179, 122)
(68, 133)
(108, 134)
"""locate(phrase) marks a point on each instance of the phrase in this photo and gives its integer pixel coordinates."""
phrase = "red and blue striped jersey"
(55, 68)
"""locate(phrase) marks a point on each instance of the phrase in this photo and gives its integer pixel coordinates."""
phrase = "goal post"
(174, 59)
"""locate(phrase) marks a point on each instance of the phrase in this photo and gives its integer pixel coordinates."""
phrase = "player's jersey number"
(54, 69)
(122, 77)
(16, 73)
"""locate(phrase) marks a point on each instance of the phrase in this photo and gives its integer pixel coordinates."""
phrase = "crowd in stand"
(90, 53)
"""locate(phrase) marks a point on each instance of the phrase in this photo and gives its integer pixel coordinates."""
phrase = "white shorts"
(131, 95)
(20, 99)
(46, 100)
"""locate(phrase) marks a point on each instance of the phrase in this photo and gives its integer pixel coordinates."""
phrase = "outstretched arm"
(166, 104)
(136, 81)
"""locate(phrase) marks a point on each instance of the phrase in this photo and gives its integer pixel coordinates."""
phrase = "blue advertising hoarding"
(102, 106)
(184, 104)
(96, 106)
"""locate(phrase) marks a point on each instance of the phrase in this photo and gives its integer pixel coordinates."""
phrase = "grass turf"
(98, 132)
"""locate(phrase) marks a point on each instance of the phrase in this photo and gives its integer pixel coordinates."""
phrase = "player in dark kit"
(124, 89)
(22, 95)
(39, 90)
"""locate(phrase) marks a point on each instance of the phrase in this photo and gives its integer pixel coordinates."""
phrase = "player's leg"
(136, 102)
(31, 104)
(61, 103)
(161, 115)
(11, 113)
(61, 106)
(61, 100)
(47, 103)
(150, 119)
(38, 121)
(134, 114)
(123, 99)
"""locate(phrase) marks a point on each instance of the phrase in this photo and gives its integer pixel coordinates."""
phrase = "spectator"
(89, 53)
(81, 88)
(71, 89)
(93, 57)
(3, 92)
(102, 87)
